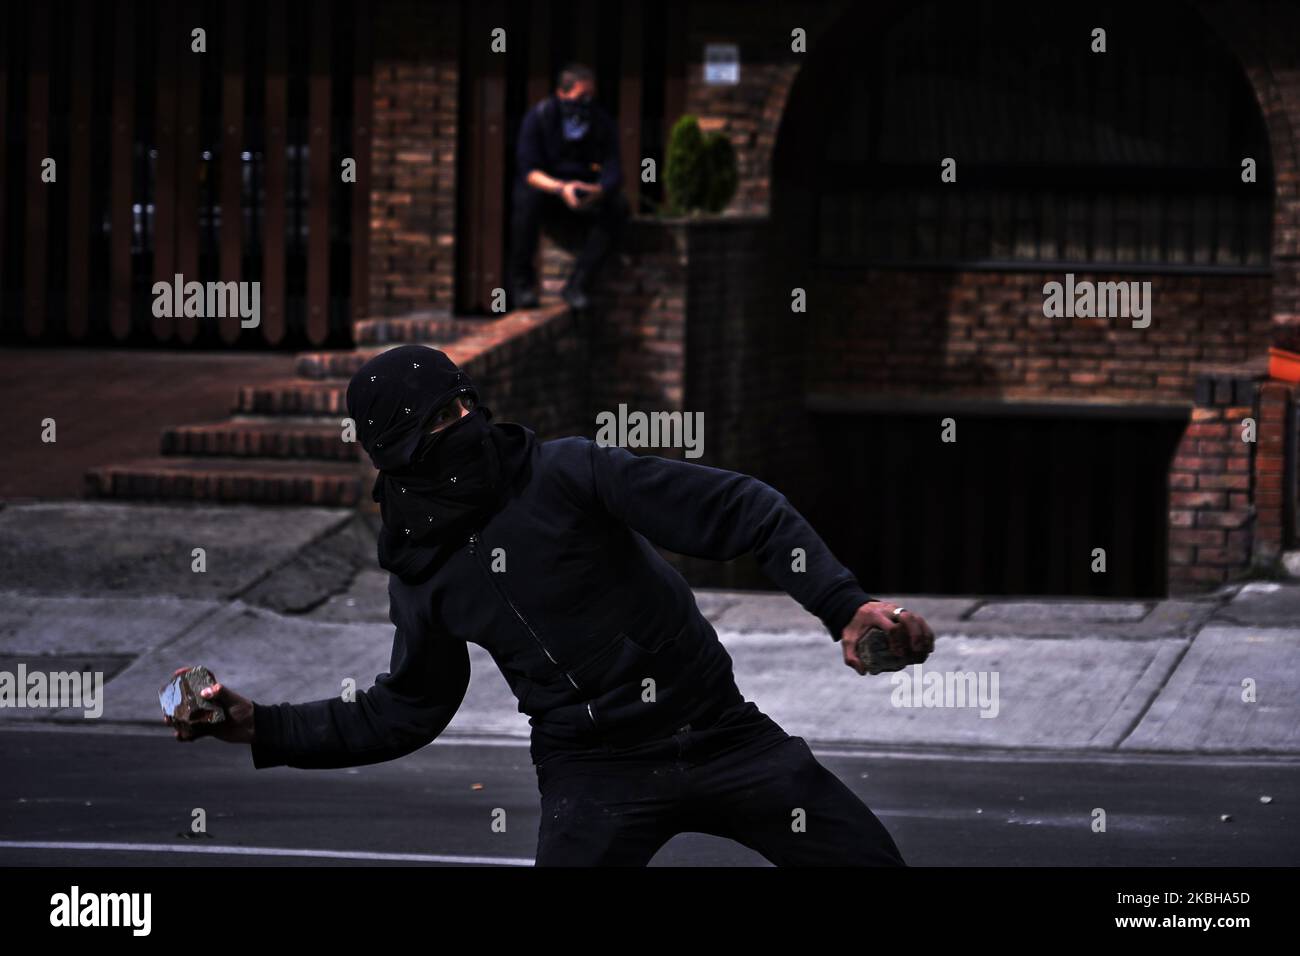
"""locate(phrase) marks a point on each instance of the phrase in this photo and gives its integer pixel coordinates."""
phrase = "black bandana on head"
(434, 488)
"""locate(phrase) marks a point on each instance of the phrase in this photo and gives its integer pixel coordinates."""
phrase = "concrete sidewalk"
(291, 604)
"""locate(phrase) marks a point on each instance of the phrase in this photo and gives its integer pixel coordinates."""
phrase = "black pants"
(743, 778)
(600, 224)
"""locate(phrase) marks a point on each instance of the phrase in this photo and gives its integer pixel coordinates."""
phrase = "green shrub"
(722, 175)
(701, 171)
(684, 172)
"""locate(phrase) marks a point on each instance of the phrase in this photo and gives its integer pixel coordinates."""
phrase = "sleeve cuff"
(839, 608)
(263, 747)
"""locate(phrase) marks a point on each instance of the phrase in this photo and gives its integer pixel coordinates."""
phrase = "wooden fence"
(221, 165)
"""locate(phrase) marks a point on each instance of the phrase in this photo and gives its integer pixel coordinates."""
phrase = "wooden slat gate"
(222, 165)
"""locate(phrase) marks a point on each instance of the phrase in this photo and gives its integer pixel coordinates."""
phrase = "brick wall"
(686, 319)
(1225, 494)
(985, 333)
(750, 112)
(694, 316)
(1274, 402)
(1210, 509)
(639, 319)
(535, 372)
(413, 159)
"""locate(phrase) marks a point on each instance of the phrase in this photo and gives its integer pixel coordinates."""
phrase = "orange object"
(1283, 364)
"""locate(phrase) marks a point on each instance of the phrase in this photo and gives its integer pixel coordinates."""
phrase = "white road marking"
(268, 851)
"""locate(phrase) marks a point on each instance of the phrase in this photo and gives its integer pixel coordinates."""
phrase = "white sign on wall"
(721, 64)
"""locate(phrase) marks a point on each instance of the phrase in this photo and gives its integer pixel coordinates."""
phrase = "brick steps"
(425, 329)
(280, 437)
(283, 442)
(256, 480)
(320, 366)
(292, 396)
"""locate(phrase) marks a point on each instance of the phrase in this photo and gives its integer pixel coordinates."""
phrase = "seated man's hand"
(909, 640)
(237, 728)
(575, 194)
(588, 193)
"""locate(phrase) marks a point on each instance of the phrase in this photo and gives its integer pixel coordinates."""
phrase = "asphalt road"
(124, 798)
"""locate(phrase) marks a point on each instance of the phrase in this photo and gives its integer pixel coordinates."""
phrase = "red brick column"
(413, 158)
(1269, 471)
(639, 320)
(1211, 514)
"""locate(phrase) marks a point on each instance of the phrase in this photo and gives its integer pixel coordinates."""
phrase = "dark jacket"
(542, 146)
(579, 613)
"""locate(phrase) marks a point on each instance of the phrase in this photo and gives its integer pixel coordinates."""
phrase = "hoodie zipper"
(473, 541)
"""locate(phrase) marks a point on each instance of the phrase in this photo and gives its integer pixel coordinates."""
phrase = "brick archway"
(1271, 62)
(1224, 500)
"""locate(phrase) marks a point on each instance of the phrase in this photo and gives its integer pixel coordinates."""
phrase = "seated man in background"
(569, 167)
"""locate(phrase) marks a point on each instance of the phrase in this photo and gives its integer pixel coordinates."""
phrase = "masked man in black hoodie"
(543, 554)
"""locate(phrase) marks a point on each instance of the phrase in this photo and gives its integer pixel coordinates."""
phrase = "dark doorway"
(1015, 506)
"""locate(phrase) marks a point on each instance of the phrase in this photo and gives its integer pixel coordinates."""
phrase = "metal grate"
(1127, 158)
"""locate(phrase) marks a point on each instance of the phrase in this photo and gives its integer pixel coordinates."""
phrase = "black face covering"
(432, 489)
(456, 473)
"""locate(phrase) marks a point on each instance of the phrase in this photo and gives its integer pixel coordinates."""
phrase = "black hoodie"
(598, 636)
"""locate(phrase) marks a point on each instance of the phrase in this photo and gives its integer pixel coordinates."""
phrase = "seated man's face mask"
(576, 114)
(579, 108)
